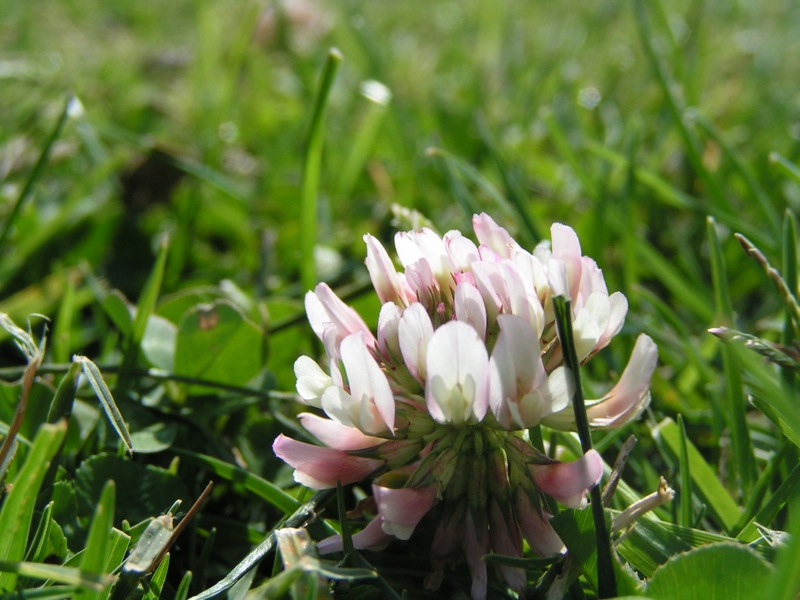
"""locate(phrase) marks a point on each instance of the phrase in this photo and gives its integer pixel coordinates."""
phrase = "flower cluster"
(435, 407)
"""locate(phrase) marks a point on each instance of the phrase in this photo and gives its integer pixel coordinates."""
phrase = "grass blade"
(95, 553)
(17, 510)
(685, 514)
(312, 168)
(606, 583)
(98, 384)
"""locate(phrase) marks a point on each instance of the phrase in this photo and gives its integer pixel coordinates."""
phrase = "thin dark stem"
(606, 582)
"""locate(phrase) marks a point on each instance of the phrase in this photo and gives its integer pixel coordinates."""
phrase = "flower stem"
(606, 582)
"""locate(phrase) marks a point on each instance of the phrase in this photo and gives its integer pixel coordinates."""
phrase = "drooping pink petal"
(476, 546)
(492, 235)
(336, 435)
(312, 381)
(368, 386)
(372, 537)
(457, 364)
(469, 307)
(321, 468)
(631, 395)
(541, 536)
(382, 272)
(403, 508)
(414, 331)
(569, 482)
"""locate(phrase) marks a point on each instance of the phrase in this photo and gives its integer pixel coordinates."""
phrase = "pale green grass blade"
(760, 488)
(785, 581)
(785, 166)
(17, 510)
(60, 341)
(98, 384)
(56, 573)
(790, 275)
(785, 492)
(158, 579)
(744, 458)
(312, 168)
(95, 553)
(685, 513)
(183, 587)
(705, 482)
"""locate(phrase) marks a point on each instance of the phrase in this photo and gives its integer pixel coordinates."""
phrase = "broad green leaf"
(158, 343)
(716, 572)
(705, 482)
(156, 437)
(17, 509)
(216, 342)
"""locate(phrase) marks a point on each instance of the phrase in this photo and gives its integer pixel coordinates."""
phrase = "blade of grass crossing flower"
(606, 581)
(95, 553)
(734, 391)
(311, 169)
(144, 309)
(300, 518)
(36, 173)
(705, 482)
(98, 385)
(378, 98)
(16, 513)
(756, 191)
(685, 513)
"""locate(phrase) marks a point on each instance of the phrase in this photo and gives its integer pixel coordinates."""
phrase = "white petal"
(414, 331)
(469, 307)
(312, 381)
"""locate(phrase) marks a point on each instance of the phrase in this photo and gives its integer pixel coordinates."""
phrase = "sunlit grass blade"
(785, 357)
(606, 583)
(785, 581)
(790, 275)
(312, 165)
(144, 309)
(17, 509)
(70, 105)
(300, 518)
(98, 384)
(95, 553)
(740, 435)
(56, 573)
(157, 581)
(705, 482)
(685, 513)
(786, 167)
(760, 488)
(785, 492)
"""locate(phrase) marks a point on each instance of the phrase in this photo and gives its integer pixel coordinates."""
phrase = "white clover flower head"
(434, 407)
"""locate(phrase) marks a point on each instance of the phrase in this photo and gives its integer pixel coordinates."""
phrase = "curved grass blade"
(95, 379)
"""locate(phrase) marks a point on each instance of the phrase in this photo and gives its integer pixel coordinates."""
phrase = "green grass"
(656, 130)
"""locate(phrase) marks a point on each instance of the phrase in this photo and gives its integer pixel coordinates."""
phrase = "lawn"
(175, 178)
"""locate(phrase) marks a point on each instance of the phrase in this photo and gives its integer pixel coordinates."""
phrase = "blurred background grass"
(631, 122)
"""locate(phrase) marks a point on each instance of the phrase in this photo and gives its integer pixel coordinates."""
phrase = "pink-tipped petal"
(461, 250)
(536, 528)
(567, 248)
(382, 272)
(569, 482)
(321, 468)
(469, 307)
(506, 539)
(492, 235)
(368, 386)
(324, 307)
(476, 546)
(336, 435)
(631, 395)
(372, 537)
(403, 508)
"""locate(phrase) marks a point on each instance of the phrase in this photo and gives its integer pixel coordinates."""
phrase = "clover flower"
(435, 406)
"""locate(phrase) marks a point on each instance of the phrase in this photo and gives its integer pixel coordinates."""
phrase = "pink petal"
(569, 482)
(382, 272)
(388, 335)
(323, 307)
(335, 435)
(493, 236)
(457, 364)
(414, 331)
(506, 539)
(371, 537)
(320, 468)
(541, 536)
(631, 395)
(368, 385)
(476, 546)
(403, 508)
(469, 307)
(567, 248)
(618, 305)
(461, 250)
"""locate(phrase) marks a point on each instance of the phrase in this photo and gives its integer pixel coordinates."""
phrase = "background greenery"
(634, 123)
